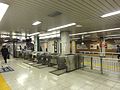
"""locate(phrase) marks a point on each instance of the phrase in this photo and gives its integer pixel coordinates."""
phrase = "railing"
(104, 64)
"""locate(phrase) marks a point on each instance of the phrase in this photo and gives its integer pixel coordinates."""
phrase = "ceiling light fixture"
(78, 25)
(114, 35)
(60, 27)
(78, 34)
(49, 33)
(75, 38)
(51, 36)
(82, 43)
(3, 9)
(33, 34)
(98, 31)
(111, 14)
(5, 36)
(36, 23)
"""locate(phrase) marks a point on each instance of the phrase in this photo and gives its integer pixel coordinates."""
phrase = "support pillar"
(65, 42)
(103, 46)
(36, 43)
(73, 47)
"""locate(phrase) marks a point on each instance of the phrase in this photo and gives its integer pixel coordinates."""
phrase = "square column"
(102, 45)
(73, 47)
(65, 42)
(36, 43)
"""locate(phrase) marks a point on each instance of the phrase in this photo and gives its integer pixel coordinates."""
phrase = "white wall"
(51, 46)
(44, 45)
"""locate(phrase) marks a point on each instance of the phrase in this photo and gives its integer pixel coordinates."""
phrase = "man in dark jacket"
(118, 51)
(5, 53)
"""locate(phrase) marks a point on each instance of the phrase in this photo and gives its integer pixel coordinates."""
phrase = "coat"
(4, 52)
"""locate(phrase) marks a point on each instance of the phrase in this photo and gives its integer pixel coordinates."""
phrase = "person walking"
(118, 51)
(5, 53)
(9, 52)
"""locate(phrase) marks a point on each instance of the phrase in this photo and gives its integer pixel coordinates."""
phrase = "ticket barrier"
(28, 55)
(53, 59)
(48, 59)
(39, 57)
(67, 63)
(61, 62)
(70, 62)
(73, 62)
(34, 56)
(18, 53)
(43, 58)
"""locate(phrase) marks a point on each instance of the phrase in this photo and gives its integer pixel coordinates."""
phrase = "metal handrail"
(103, 63)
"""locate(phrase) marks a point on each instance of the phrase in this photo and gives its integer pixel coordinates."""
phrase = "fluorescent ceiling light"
(60, 27)
(5, 33)
(82, 43)
(3, 9)
(75, 38)
(13, 33)
(98, 31)
(78, 34)
(14, 36)
(110, 14)
(49, 33)
(23, 34)
(5, 40)
(36, 23)
(33, 34)
(113, 35)
(51, 36)
(5, 36)
(18, 34)
(78, 25)
(105, 30)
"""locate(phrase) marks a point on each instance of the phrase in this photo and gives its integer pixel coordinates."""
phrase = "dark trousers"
(118, 56)
(5, 59)
(8, 56)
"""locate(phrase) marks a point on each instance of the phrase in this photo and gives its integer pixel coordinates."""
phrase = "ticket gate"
(34, 56)
(54, 59)
(61, 62)
(70, 62)
(39, 58)
(28, 55)
(43, 58)
(17, 54)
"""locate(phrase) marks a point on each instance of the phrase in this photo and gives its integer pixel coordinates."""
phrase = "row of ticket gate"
(68, 62)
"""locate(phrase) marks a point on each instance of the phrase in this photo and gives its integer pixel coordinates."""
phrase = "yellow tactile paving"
(3, 83)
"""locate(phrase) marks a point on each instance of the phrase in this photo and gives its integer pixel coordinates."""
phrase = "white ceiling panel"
(22, 13)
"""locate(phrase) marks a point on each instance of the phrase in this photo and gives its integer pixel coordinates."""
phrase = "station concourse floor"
(26, 77)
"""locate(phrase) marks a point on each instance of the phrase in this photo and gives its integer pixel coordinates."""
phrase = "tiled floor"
(29, 78)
